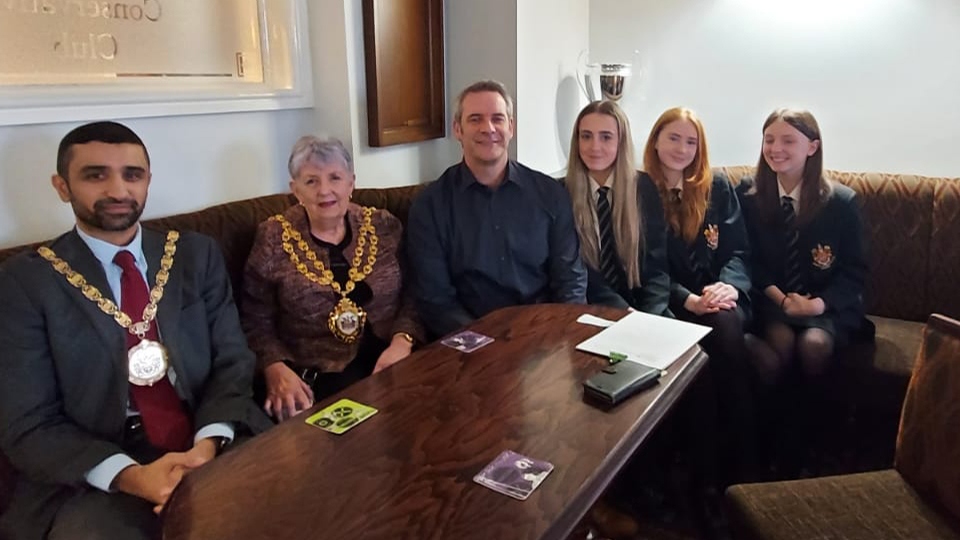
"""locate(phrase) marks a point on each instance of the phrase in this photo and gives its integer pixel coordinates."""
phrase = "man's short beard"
(99, 219)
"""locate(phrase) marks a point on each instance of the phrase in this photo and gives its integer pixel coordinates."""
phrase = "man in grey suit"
(110, 395)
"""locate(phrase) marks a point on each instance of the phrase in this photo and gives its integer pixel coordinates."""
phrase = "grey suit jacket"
(63, 375)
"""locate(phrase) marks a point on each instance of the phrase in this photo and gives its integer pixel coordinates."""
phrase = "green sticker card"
(341, 416)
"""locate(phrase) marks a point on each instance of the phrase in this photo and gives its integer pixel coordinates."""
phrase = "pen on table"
(615, 357)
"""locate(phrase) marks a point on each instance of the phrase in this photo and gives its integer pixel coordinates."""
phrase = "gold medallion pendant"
(347, 320)
(146, 363)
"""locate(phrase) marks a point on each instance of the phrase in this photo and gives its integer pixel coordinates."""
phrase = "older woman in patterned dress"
(324, 297)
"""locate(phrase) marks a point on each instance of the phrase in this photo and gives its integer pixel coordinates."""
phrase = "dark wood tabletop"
(407, 472)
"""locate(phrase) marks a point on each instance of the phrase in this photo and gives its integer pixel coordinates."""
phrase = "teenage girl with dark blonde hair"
(617, 213)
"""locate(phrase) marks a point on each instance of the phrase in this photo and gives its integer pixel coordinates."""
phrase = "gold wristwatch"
(405, 336)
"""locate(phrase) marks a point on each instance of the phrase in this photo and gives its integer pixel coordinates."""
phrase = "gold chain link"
(325, 276)
(105, 304)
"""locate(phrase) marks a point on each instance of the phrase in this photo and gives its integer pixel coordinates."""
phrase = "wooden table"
(407, 472)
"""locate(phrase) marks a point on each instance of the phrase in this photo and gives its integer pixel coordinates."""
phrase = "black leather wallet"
(619, 381)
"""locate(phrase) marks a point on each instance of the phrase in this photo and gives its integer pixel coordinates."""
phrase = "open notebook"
(647, 339)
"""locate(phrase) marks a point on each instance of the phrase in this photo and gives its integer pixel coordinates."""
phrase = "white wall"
(481, 39)
(881, 76)
(550, 36)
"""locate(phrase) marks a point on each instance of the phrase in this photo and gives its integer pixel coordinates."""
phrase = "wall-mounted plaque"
(146, 54)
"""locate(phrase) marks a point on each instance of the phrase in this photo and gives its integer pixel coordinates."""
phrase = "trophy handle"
(582, 74)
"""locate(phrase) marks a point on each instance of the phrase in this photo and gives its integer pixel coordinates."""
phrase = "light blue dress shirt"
(102, 475)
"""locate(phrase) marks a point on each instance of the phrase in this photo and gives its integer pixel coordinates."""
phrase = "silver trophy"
(608, 80)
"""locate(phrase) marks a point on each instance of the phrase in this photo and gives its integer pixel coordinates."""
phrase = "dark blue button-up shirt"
(474, 249)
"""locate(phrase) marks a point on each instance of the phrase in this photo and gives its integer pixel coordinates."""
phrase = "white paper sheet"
(593, 320)
(647, 339)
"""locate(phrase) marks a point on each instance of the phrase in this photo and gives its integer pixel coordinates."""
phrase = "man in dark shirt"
(490, 232)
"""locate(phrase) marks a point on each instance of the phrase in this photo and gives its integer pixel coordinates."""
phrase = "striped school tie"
(609, 263)
(793, 251)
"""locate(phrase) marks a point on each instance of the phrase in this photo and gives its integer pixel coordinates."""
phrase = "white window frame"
(287, 84)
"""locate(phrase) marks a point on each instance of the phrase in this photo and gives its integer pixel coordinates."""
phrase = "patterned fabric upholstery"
(233, 224)
(898, 220)
(865, 506)
(943, 267)
(928, 446)
(396, 200)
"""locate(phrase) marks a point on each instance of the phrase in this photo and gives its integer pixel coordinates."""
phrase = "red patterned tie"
(164, 420)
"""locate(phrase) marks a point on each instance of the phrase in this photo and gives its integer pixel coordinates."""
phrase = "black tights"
(811, 349)
(733, 399)
(791, 365)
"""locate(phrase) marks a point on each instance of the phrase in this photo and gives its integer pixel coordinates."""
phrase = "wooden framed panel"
(403, 44)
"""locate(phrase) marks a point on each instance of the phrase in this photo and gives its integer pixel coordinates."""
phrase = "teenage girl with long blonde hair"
(617, 213)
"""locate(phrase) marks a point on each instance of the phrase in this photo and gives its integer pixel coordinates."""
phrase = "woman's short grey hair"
(310, 149)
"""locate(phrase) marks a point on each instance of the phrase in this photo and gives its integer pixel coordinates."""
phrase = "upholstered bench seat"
(919, 499)
(897, 343)
(878, 372)
(866, 506)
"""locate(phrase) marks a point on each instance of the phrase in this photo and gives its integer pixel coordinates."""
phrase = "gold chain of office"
(356, 274)
(347, 319)
(106, 305)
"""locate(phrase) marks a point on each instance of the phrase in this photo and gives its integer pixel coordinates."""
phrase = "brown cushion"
(943, 282)
(866, 506)
(898, 218)
(396, 200)
(6, 253)
(232, 224)
(897, 344)
(876, 379)
(928, 446)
